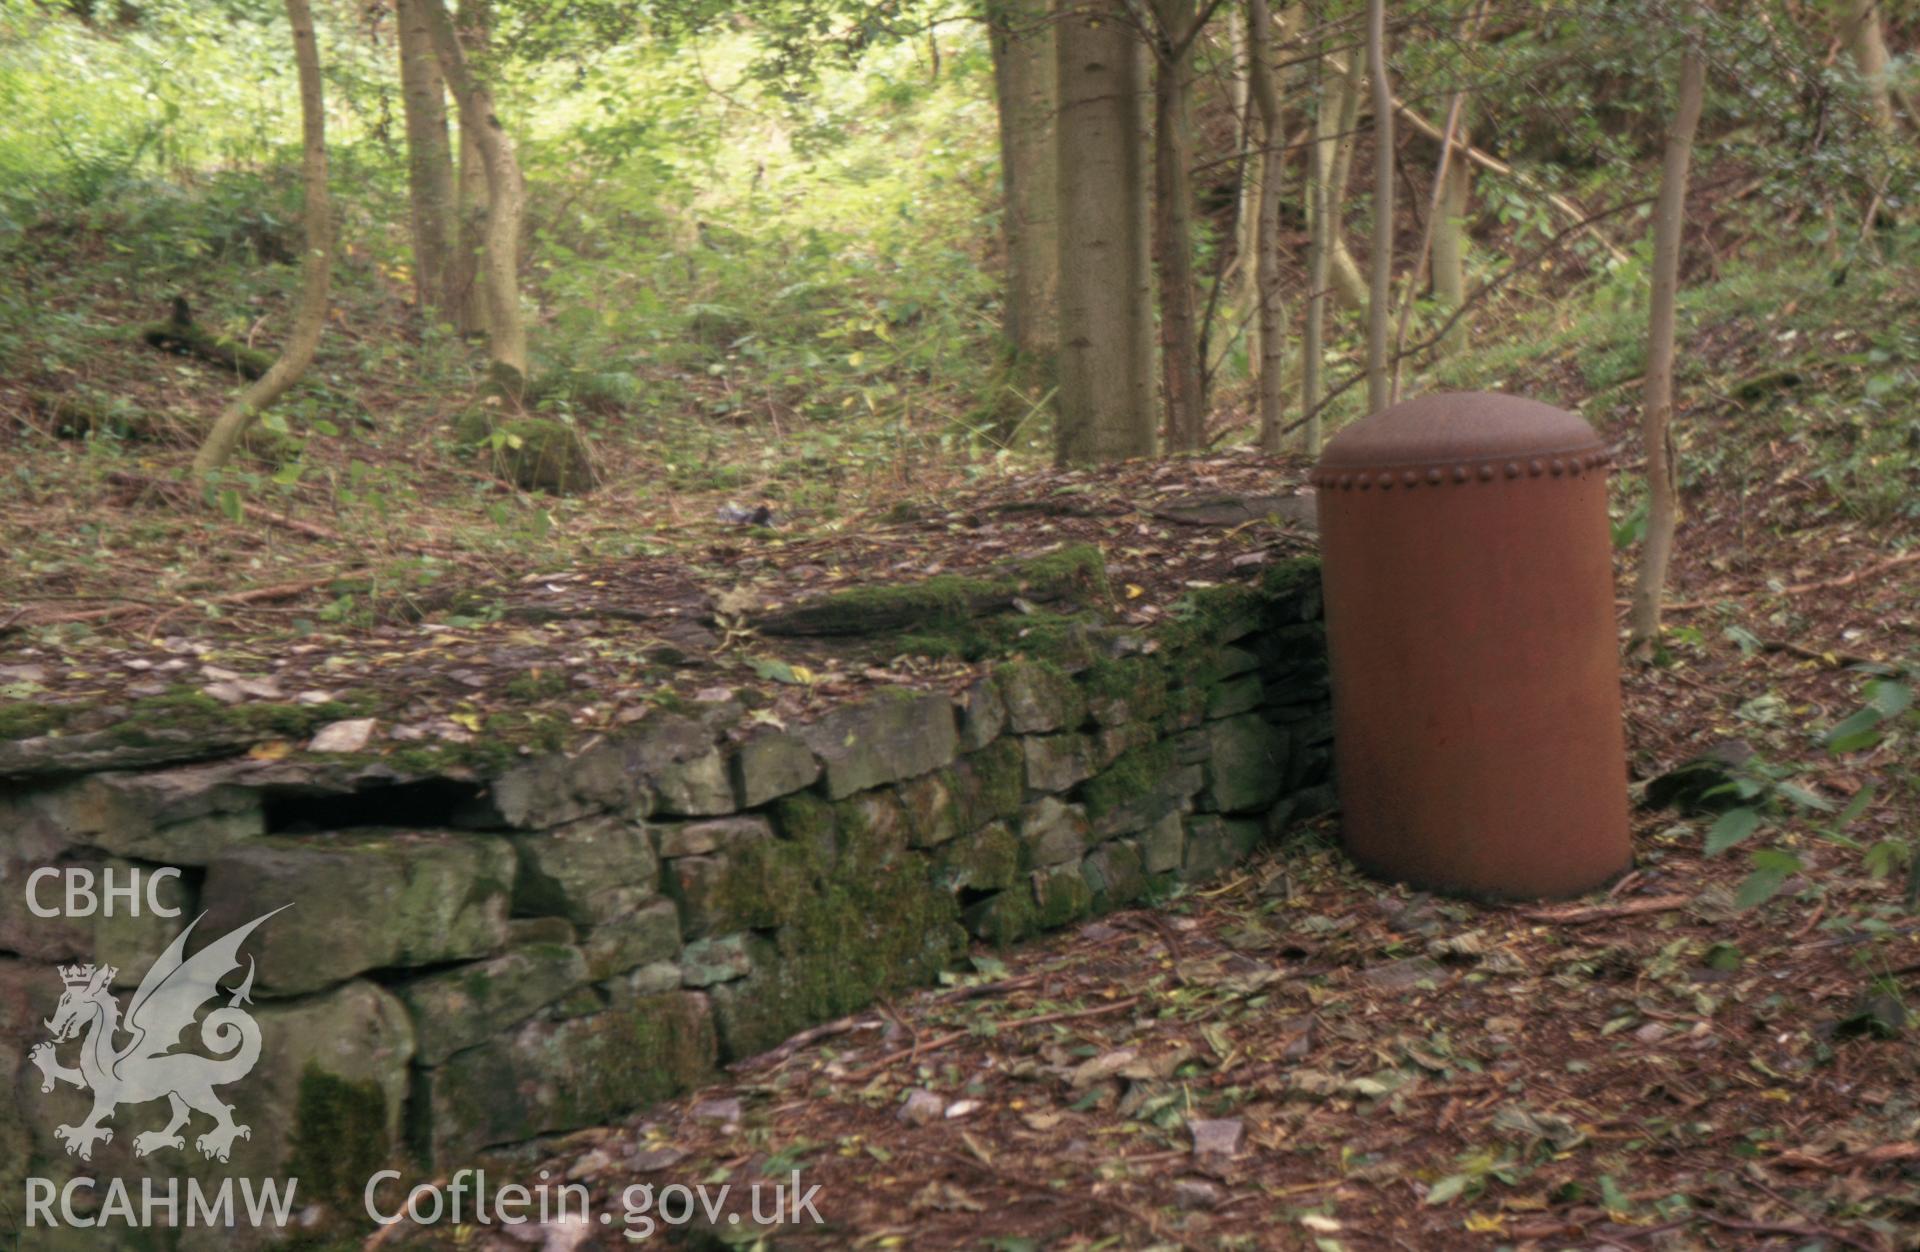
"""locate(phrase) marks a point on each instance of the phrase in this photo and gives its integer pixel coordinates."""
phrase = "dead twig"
(256, 595)
(805, 1039)
(1833, 660)
(1796, 1229)
(1054, 1196)
(954, 1036)
(1796, 589)
(1602, 912)
(1165, 932)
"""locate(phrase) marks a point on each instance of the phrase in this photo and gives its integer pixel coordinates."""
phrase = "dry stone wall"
(468, 963)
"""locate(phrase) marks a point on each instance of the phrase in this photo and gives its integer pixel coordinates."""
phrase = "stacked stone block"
(586, 933)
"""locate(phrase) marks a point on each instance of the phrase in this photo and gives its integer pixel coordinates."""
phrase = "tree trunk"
(429, 163)
(1246, 209)
(316, 270)
(1106, 309)
(1865, 38)
(1273, 313)
(1173, 228)
(1450, 248)
(1663, 504)
(1380, 264)
(1026, 85)
(1337, 161)
(1320, 235)
(469, 292)
(469, 299)
(1436, 212)
(500, 260)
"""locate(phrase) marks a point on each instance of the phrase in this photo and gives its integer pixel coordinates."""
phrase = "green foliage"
(1767, 796)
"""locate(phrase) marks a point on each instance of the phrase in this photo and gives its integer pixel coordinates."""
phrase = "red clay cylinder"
(1476, 683)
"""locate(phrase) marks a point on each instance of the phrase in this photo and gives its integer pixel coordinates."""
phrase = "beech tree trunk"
(430, 186)
(1273, 313)
(1320, 236)
(316, 269)
(1866, 39)
(1026, 85)
(1380, 263)
(1173, 228)
(1436, 212)
(1656, 421)
(469, 303)
(1246, 210)
(1337, 162)
(1450, 246)
(500, 260)
(1106, 303)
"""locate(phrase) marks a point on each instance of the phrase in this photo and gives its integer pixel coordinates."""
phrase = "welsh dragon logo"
(144, 1067)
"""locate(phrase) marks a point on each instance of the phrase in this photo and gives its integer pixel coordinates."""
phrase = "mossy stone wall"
(584, 933)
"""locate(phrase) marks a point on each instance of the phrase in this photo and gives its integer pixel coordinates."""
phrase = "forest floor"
(1653, 1067)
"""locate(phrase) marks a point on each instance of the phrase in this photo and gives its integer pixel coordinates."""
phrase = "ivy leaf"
(1855, 807)
(1771, 870)
(1849, 738)
(773, 669)
(1890, 699)
(1733, 826)
(1804, 798)
(1450, 1188)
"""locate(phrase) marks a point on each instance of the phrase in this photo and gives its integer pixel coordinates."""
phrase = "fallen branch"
(185, 338)
(1846, 1162)
(1829, 658)
(1795, 1229)
(1796, 589)
(256, 595)
(805, 1039)
(954, 1036)
(1847, 580)
(859, 1021)
(1583, 914)
(179, 493)
(1054, 1197)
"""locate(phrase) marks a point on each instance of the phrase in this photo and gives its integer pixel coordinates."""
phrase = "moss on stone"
(27, 720)
(990, 783)
(1039, 696)
(807, 818)
(765, 882)
(1291, 575)
(1139, 684)
(1059, 639)
(472, 425)
(537, 685)
(940, 613)
(873, 832)
(1062, 895)
(626, 1058)
(963, 643)
(1136, 774)
(184, 708)
(541, 454)
(861, 935)
(932, 817)
(1114, 874)
(339, 1136)
(1005, 917)
(987, 860)
(187, 338)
